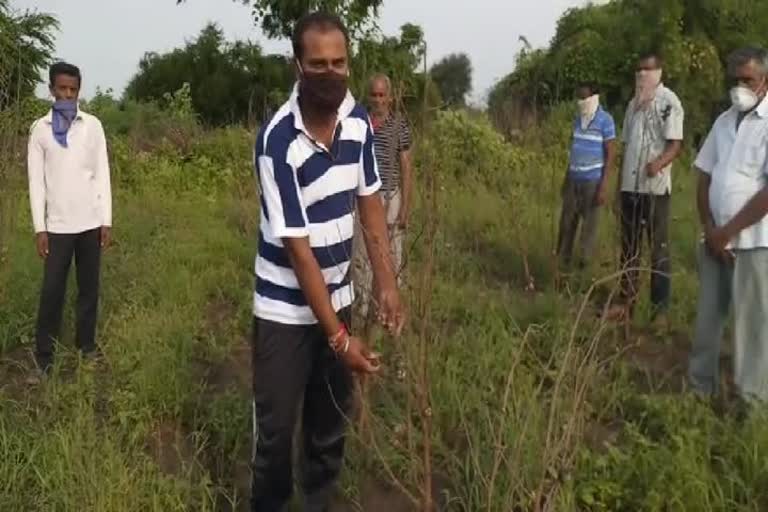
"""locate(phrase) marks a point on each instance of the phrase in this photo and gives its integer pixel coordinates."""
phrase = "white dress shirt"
(736, 160)
(69, 188)
(645, 136)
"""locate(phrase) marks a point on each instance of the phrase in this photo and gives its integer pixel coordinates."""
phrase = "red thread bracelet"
(334, 340)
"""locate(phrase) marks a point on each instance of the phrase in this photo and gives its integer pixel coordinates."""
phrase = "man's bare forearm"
(671, 151)
(310, 278)
(752, 213)
(610, 160)
(372, 217)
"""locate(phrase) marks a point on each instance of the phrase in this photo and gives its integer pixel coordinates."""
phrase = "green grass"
(531, 401)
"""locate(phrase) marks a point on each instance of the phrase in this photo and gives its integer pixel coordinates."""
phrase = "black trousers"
(86, 249)
(645, 215)
(296, 373)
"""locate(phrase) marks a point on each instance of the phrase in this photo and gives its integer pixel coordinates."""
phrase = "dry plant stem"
(394, 480)
(502, 421)
(424, 394)
(424, 332)
(561, 449)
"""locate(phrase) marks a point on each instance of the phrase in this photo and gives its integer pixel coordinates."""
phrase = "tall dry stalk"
(10, 142)
(425, 306)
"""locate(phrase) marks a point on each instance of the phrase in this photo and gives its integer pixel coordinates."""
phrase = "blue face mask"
(63, 114)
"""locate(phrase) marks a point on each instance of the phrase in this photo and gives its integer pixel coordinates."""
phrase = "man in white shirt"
(652, 136)
(733, 203)
(70, 196)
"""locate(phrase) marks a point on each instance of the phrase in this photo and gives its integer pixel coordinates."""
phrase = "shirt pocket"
(753, 164)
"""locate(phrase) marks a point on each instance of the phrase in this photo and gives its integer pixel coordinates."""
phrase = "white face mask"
(588, 106)
(743, 98)
(587, 109)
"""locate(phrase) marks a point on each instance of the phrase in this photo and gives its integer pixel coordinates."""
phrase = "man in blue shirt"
(316, 167)
(584, 189)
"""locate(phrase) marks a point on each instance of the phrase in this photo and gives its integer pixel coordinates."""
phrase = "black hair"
(316, 20)
(746, 55)
(652, 54)
(592, 86)
(64, 68)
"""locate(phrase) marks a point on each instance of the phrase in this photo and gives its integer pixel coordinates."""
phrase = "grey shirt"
(645, 137)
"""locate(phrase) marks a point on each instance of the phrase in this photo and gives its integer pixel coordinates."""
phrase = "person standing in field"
(733, 258)
(585, 188)
(315, 162)
(392, 145)
(71, 201)
(652, 136)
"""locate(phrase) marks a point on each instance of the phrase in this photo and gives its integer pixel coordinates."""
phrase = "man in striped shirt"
(584, 189)
(315, 163)
(392, 145)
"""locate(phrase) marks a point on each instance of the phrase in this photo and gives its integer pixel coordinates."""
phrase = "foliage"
(519, 379)
(277, 17)
(26, 45)
(148, 125)
(601, 43)
(453, 76)
(400, 59)
(229, 82)
(460, 138)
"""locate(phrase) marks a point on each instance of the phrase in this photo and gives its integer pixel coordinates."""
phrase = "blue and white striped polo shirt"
(308, 190)
(587, 150)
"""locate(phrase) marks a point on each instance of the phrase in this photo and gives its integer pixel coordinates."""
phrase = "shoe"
(36, 377)
(660, 323)
(616, 313)
(91, 358)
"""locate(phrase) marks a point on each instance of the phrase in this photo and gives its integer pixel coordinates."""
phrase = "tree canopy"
(453, 76)
(26, 46)
(229, 81)
(277, 17)
(601, 43)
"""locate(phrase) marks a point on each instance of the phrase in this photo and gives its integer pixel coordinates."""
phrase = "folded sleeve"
(706, 160)
(673, 126)
(609, 128)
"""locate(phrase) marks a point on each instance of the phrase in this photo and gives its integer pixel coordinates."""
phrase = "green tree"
(401, 59)
(229, 82)
(277, 17)
(453, 76)
(601, 44)
(26, 46)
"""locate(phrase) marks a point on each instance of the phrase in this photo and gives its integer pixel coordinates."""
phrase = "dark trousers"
(645, 215)
(579, 212)
(86, 248)
(295, 373)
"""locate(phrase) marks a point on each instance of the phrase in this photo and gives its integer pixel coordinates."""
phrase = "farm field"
(523, 397)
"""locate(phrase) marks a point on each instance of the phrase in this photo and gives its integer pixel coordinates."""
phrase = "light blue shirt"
(588, 147)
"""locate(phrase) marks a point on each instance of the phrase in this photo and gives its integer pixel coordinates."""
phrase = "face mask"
(587, 109)
(324, 91)
(743, 98)
(588, 106)
(646, 83)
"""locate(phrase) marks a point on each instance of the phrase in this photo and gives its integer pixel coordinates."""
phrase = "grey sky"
(106, 38)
